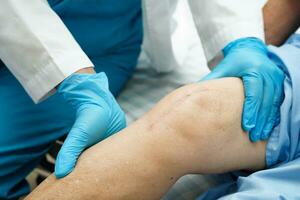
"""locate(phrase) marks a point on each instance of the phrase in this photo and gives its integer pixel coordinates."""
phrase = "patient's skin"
(195, 129)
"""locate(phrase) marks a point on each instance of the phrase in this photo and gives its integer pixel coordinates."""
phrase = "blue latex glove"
(247, 58)
(98, 116)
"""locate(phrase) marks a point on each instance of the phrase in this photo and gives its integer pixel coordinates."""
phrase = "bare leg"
(195, 129)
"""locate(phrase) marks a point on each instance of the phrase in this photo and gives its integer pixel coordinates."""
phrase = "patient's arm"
(196, 129)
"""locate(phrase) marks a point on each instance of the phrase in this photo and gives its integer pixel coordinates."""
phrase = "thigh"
(225, 146)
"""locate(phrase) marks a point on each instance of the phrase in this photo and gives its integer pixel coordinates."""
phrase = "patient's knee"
(199, 110)
(210, 107)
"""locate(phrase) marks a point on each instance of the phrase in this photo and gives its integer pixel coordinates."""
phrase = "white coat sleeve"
(37, 47)
(219, 22)
(157, 44)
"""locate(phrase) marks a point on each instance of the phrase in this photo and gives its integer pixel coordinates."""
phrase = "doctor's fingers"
(253, 86)
(67, 157)
(265, 111)
(224, 69)
(274, 117)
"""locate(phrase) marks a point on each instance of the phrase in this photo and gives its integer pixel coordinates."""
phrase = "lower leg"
(196, 129)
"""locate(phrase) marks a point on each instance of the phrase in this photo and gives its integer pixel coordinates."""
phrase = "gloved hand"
(98, 116)
(247, 58)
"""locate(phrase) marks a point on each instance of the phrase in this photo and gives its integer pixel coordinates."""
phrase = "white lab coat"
(40, 51)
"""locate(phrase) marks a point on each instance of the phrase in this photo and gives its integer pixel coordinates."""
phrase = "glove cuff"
(79, 89)
(248, 42)
(76, 79)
